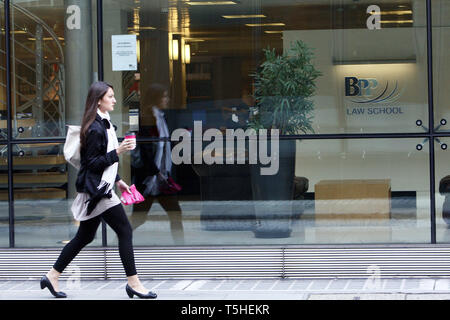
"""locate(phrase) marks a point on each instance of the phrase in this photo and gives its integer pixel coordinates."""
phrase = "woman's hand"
(123, 186)
(125, 146)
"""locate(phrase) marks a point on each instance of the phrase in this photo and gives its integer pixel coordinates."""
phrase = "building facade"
(352, 177)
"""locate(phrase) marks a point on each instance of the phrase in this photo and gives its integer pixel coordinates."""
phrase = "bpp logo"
(359, 87)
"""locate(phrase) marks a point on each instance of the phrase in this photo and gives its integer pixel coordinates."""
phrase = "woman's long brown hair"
(96, 92)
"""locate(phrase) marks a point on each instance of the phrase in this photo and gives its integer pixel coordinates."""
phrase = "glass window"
(441, 62)
(186, 73)
(53, 48)
(372, 57)
(53, 45)
(324, 192)
(359, 67)
(367, 190)
(330, 67)
(44, 188)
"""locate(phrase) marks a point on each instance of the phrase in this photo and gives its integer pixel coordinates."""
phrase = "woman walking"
(96, 198)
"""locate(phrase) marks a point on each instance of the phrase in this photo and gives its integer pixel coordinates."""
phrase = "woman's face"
(164, 101)
(107, 102)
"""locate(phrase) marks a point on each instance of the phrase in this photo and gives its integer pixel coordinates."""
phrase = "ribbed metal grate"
(33, 264)
(201, 263)
(364, 262)
(236, 262)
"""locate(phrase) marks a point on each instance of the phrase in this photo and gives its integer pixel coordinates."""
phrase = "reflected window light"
(138, 50)
(274, 24)
(194, 40)
(400, 12)
(210, 3)
(187, 53)
(138, 28)
(174, 49)
(397, 21)
(243, 16)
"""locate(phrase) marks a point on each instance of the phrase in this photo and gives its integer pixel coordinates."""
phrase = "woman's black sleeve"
(98, 161)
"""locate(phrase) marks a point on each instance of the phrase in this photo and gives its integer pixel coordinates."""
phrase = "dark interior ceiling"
(211, 34)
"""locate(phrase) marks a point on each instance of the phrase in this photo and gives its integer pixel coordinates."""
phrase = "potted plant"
(284, 85)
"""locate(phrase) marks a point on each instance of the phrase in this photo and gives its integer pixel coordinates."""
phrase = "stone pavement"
(237, 289)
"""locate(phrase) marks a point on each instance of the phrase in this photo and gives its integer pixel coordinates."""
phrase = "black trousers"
(117, 219)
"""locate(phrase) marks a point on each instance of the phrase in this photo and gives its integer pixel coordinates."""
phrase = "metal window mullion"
(9, 119)
(431, 122)
(100, 39)
(100, 78)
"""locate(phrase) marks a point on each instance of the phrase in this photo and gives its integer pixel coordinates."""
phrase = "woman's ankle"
(135, 282)
(53, 274)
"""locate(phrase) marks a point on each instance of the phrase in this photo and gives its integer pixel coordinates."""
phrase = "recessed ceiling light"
(244, 16)
(137, 28)
(273, 31)
(397, 21)
(274, 24)
(194, 40)
(398, 12)
(209, 3)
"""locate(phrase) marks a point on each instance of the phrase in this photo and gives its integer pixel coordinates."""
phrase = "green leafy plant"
(283, 86)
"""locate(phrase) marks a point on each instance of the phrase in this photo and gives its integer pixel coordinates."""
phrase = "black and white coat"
(94, 160)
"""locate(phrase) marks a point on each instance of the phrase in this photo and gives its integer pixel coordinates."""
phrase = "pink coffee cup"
(131, 137)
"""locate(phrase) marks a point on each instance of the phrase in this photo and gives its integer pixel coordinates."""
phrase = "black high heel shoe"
(131, 293)
(45, 282)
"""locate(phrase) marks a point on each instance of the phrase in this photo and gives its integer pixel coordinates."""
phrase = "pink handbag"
(172, 187)
(131, 198)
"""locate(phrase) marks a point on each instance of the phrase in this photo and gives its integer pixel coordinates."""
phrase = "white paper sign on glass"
(124, 55)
